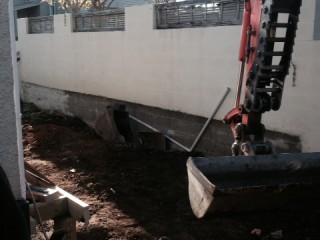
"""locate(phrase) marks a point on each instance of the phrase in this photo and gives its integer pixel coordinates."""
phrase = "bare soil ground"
(137, 193)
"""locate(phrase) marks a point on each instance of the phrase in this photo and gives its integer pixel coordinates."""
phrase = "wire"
(37, 211)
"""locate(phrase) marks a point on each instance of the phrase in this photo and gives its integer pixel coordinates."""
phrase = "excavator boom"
(256, 177)
(267, 39)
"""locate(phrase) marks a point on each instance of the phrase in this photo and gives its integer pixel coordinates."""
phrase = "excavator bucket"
(260, 182)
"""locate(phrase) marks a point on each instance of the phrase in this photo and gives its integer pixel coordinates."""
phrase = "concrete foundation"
(184, 128)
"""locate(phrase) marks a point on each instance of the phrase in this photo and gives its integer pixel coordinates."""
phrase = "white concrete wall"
(185, 70)
(11, 155)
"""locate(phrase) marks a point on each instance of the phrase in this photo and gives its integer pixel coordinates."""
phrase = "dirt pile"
(139, 193)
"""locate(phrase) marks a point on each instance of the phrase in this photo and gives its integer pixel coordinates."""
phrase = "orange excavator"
(255, 176)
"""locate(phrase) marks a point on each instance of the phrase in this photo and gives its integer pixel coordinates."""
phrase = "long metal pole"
(156, 130)
(209, 119)
(143, 123)
(200, 133)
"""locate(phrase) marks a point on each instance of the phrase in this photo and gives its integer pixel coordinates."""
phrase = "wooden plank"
(33, 226)
(50, 210)
(66, 226)
(78, 209)
(36, 178)
(49, 195)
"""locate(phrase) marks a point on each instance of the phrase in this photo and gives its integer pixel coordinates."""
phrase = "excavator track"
(277, 31)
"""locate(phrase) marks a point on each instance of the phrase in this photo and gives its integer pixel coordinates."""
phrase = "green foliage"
(73, 5)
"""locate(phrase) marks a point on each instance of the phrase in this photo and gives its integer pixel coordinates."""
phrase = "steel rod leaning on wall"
(200, 133)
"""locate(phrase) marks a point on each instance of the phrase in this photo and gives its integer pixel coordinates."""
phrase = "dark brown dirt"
(138, 193)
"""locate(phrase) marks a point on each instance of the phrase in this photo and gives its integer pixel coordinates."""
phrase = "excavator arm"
(267, 39)
(255, 177)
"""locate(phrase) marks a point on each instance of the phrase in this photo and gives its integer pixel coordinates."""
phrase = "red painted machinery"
(255, 176)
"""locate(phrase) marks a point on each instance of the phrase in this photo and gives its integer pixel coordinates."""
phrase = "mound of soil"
(139, 193)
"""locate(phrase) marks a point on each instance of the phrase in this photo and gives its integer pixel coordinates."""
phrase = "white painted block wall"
(11, 152)
(184, 70)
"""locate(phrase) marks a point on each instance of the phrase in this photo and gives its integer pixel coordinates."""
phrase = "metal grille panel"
(200, 13)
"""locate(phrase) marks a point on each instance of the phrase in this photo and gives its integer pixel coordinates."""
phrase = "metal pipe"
(240, 83)
(209, 119)
(156, 130)
(200, 133)
(37, 210)
(177, 143)
(143, 123)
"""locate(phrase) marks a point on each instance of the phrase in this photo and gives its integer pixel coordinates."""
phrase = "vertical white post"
(11, 150)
